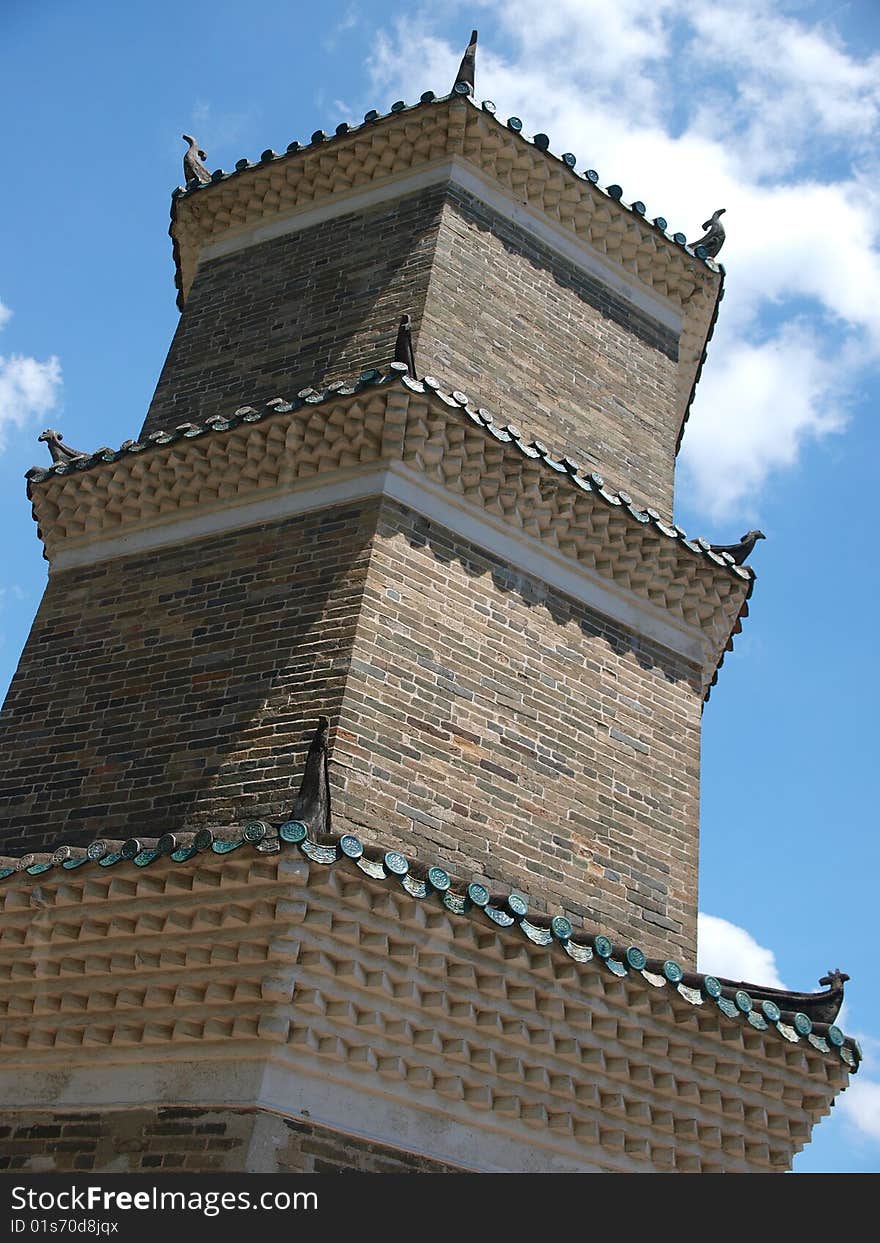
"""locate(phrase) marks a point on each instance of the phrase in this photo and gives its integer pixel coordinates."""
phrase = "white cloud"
(725, 949)
(731, 104)
(758, 404)
(627, 42)
(28, 388)
(861, 1105)
(791, 76)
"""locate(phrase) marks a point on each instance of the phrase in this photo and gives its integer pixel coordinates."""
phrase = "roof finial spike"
(714, 236)
(193, 168)
(465, 75)
(403, 346)
(312, 804)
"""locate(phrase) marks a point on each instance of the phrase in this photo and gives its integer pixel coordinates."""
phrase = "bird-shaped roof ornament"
(60, 452)
(464, 79)
(713, 239)
(738, 553)
(193, 168)
(835, 979)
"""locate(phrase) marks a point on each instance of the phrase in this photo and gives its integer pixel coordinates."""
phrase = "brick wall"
(545, 346)
(498, 728)
(177, 687)
(177, 1140)
(480, 720)
(319, 304)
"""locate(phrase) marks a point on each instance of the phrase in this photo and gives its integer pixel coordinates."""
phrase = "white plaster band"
(465, 176)
(301, 1088)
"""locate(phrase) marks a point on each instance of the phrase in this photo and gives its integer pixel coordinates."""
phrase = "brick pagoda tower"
(473, 949)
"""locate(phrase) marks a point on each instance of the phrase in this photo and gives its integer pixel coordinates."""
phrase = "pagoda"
(349, 813)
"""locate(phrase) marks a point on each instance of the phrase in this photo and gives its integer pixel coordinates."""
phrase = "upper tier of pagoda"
(453, 139)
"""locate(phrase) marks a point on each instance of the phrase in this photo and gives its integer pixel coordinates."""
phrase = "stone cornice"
(400, 144)
(229, 465)
(365, 974)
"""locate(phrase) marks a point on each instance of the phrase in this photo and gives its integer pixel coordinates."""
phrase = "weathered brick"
(526, 333)
(479, 717)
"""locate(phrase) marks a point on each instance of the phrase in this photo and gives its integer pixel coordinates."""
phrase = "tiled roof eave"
(555, 934)
(556, 468)
(345, 132)
(556, 465)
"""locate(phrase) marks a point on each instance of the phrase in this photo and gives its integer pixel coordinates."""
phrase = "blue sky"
(769, 109)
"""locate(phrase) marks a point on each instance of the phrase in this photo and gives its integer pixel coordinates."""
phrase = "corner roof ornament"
(60, 452)
(817, 1007)
(464, 79)
(740, 552)
(835, 980)
(713, 239)
(193, 168)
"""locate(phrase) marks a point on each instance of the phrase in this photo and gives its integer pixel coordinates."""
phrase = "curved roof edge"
(510, 910)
